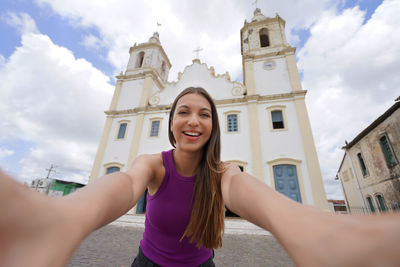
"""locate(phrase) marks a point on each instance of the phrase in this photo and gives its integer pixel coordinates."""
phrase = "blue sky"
(58, 60)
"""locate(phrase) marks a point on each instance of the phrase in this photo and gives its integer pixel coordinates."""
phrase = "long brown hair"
(206, 224)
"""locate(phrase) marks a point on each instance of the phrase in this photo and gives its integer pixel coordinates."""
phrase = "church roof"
(258, 16)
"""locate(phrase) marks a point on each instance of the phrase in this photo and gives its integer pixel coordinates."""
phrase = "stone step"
(232, 225)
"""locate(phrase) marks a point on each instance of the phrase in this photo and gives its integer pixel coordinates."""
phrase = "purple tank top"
(167, 216)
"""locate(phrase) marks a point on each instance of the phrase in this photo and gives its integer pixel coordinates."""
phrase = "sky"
(59, 59)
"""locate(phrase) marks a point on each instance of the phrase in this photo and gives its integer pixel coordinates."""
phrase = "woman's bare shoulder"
(152, 160)
(230, 169)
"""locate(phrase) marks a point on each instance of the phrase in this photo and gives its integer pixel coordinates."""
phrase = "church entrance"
(141, 205)
(286, 181)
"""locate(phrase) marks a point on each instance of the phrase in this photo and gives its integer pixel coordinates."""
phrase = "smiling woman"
(187, 189)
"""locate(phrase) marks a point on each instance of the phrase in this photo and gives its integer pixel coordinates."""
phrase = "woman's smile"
(192, 122)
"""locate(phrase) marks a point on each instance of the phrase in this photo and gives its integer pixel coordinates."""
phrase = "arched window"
(155, 126)
(264, 39)
(112, 169)
(362, 164)
(139, 60)
(387, 151)
(232, 121)
(122, 129)
(381, 203)
(277, 119)
(371, 205)
(277, 116)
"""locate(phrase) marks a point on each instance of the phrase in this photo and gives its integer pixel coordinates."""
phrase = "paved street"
(116, 245)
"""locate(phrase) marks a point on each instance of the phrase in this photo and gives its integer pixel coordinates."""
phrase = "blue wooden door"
(286, 181)
(141, 205)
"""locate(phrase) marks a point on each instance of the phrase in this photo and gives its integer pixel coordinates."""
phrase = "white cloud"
(54, 101)
(22, 22)
(4, 152)
(212, 25)
(92, 42)
(351, 71)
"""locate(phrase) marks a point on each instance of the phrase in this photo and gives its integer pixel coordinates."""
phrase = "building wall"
(354, 199)
(273, 80)
(380, 178)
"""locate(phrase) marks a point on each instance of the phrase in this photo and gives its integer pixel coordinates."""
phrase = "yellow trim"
(144, 72)
(112, 164)
(144, 104)
(239, 163)
(146, 92)
(249, 78)
(281, 108)
(115, 98)
(312, 163)
(293, 72)
(100, 151)
(136, 138)
(255, 140)
(288, 161)
(126, 130)
(159, 127)
(232, 112)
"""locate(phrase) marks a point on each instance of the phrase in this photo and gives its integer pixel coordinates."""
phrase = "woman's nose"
(193, 120)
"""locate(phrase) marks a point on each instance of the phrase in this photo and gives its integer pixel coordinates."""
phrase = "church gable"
(200, 75)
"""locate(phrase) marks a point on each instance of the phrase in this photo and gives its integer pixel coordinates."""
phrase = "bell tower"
(146, 73)
(269, 64)
(149, 58)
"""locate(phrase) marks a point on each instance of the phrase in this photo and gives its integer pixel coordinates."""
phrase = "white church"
(264, 123)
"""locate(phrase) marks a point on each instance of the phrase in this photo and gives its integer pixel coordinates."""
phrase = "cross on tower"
(255, 2)
(197, 50)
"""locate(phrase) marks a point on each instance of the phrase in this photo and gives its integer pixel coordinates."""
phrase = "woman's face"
(192, 122)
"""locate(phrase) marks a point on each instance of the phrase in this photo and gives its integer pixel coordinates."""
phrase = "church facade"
(264, 123)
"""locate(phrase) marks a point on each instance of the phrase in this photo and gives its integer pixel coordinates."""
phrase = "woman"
(311, 237)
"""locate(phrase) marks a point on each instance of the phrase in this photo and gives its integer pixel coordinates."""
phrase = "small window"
(387, 151)
(232, 122)
(362, 164)
(112, 169)
(163, 70)
(139, 60)
(371, 205)
(381, 203)
(277, 119)
(241, 168)
(264, 39)
(155, 127)
(122, 130)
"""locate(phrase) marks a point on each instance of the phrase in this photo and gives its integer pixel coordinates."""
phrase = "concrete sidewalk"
(232, 225)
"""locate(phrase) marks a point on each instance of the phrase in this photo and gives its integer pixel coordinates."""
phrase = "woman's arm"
(313, 237)
(42, 231)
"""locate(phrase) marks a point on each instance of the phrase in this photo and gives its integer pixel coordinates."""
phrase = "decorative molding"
(245, 99)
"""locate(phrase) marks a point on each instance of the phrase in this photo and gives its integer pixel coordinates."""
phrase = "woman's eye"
(182, 112)
(205, 115)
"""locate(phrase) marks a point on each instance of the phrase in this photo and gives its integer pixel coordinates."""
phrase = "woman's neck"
(186, 163)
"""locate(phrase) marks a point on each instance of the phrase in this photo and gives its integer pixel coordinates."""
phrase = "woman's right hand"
(35, 229)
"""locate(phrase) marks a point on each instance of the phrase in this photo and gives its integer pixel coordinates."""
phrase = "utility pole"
(47, 177)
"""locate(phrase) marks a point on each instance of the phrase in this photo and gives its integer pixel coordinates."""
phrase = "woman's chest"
(170, 211)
